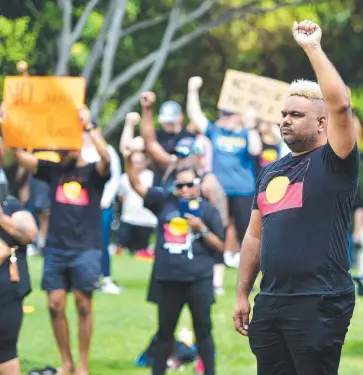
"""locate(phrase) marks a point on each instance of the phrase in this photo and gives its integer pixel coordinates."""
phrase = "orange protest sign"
(41, 112)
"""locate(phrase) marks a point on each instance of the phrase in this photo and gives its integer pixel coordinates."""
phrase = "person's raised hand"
(147, 99)
(132, 118)
(195, 83)
(307, 34)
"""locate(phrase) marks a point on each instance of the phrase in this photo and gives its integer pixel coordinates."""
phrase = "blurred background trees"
(123, 47)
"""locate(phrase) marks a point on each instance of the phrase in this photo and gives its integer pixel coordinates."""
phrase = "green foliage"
(17, 42)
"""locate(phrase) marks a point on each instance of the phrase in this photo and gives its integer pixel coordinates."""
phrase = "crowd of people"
(193, 187)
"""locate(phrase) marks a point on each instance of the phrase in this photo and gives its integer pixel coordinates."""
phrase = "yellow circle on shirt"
(178, 226)
(72, 190)
(276, 189)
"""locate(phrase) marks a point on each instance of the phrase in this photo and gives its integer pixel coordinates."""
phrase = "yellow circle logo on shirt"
(72, 190)
(270, 155)
(178, 226)
(276, 189)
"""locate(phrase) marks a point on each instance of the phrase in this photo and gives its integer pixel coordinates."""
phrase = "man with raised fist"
(298, 232)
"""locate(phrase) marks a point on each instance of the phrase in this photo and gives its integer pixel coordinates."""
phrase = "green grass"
(125, 323)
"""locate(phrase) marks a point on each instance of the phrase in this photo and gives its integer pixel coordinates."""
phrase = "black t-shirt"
(168, 141)
(75, 193)
(9, 290)
(179, 255)
(306, 205)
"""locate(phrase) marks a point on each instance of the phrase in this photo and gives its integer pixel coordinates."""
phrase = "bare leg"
(85, 326)
(43, 227)
(57, 305)
(11, 367)
(218, 275)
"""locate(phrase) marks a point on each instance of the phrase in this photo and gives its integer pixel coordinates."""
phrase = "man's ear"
(322, 123)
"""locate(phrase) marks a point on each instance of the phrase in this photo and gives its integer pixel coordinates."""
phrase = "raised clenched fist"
(195, 83)
(147, 99)
(132, 118)
(307, 33)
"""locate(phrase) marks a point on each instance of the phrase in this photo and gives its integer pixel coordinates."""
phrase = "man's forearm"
(249, 265)
(101, 146)
(330, 82)
(18, 231)
(147, 125)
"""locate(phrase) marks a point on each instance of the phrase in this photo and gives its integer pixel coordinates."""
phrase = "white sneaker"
(31, 250)
(232, 259)
(111, 288)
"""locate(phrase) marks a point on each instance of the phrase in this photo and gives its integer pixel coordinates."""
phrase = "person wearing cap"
(72, 256)
(235, 144)
(170, 118)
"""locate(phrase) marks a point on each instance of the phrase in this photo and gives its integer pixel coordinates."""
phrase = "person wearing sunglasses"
(189, 233)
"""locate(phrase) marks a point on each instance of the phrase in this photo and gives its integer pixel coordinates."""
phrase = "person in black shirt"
(165, 139)
(185, 248)
(17, 230)
(72, 257)
(298, 233)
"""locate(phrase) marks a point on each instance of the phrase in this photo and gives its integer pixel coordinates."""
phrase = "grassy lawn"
(125, 323)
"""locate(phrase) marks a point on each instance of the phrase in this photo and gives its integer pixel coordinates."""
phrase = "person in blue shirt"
(235, 142)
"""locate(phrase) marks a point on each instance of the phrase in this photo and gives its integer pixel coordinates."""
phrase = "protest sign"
(242, 90)
(41, 112)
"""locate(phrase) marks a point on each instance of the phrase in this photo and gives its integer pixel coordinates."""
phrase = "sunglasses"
(180, 185)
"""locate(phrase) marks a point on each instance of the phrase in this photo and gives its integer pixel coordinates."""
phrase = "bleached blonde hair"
(305, 88)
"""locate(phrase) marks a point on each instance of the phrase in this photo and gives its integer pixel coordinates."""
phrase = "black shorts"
(300, 335)
(39, 192)
(133, 237)
(239, 209)
(11, 316)
(71, 269)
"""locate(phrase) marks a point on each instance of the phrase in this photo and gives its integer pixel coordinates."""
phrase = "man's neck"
(317, 145)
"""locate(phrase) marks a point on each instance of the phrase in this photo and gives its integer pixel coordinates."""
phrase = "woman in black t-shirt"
(17, 229)
(190, 232)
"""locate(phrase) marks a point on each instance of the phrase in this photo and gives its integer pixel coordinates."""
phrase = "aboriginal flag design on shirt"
(281, 189)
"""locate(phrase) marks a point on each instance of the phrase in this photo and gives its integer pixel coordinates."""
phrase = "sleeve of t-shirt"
(45, 169)
(211, 127)
(14, 205)
(345, 170)
(154, 198)
(213, 221)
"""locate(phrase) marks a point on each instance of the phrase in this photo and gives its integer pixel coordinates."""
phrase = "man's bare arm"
(250, 256)
(152, 146)
(341, 132)
(25, 159)
(21, 226)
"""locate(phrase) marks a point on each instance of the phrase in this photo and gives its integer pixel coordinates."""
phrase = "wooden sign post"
(41, 112)
(242, 90)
